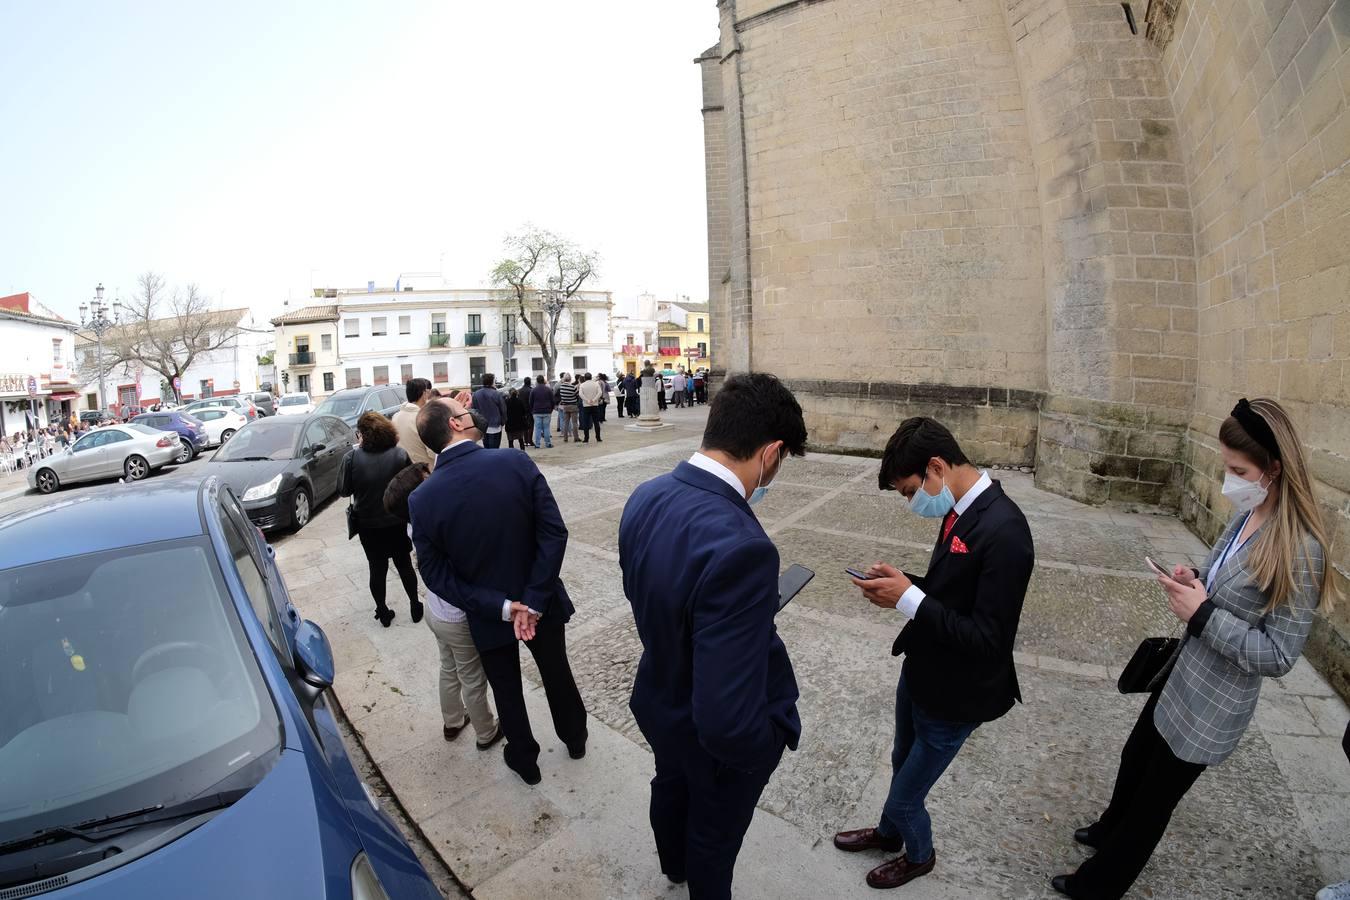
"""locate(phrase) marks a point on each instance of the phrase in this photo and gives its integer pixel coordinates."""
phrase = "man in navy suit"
(467, 520)
(961, 622)
(715, 695)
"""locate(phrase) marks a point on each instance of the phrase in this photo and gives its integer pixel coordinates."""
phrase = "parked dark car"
(263, 400)
(94, 416)
(192, 437)
(283, 467)
(348, 405)
(170, 735)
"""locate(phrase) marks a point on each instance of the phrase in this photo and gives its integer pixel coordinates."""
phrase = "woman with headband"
(1247, 611)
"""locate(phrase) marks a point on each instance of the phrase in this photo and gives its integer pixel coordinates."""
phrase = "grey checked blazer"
(1212, 682)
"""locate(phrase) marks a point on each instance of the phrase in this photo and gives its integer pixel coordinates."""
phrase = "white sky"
(257, 147)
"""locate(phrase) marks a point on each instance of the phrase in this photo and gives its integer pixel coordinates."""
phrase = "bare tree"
(165, 330)
(565, 268)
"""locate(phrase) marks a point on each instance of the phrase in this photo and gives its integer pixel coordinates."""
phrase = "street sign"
(32, 386)
(177, 384)
(692, 353)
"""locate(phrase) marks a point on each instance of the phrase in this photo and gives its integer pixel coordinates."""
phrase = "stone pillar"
(649, 415)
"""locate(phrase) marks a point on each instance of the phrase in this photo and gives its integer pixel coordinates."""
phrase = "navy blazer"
(468, 519)
(958, 649)
(702, 578)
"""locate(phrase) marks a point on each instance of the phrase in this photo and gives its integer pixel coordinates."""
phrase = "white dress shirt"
(913, 596)
(713, 467)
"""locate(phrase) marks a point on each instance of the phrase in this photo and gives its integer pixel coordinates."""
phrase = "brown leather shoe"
(867, 839)
(898, 871)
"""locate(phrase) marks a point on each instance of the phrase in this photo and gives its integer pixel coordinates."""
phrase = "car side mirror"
(315, 448)
(315, 655)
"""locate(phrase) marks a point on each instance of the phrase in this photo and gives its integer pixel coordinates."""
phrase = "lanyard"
(1232, 548)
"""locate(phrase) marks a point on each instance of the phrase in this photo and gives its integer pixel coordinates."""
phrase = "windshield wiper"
(117, 823)
(249, 459)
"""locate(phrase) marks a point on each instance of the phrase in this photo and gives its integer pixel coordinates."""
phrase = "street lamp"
(99, 323)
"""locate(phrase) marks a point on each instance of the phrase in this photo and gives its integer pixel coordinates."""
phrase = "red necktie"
(947, 524)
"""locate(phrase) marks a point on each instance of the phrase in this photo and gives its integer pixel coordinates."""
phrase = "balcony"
(474, 338)
(438, 339)
(670, 351)
(303, 358)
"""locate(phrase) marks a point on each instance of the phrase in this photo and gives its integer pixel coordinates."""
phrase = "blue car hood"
(288, 837)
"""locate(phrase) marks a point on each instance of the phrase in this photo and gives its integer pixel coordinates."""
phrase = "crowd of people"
(715, 695)
(24, 448)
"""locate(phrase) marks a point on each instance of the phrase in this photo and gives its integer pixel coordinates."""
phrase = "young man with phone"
(715, 695)
(962, 619)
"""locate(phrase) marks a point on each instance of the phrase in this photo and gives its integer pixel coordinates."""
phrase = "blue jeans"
(542, 436)
(924, 748)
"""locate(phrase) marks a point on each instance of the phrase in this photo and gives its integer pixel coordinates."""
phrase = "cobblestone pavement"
(1272, 822)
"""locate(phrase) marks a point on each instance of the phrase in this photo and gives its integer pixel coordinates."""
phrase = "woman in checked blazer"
(1247, 613)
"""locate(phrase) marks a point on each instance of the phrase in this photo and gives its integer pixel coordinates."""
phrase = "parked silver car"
(130, 451)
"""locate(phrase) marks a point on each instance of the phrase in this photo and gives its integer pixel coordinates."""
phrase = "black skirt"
(386, 542)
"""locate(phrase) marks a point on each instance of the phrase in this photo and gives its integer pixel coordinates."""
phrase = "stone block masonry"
(915, 205)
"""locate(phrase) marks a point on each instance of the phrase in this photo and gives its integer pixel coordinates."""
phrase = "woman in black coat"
(366, 471)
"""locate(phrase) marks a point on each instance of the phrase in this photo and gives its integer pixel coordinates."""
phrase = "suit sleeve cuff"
(1196, 626)
(909, 601)
(506, 610)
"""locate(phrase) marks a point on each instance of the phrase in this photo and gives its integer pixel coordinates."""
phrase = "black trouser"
(502, 665)
(660, 399)
(700, 812)
(492, 441)
(380, 546)
(516, 436)
(619, 401)
(591, 417)
(1149, 785)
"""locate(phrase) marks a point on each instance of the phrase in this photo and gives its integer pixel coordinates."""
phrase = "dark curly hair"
(401, 487)
(377, 432)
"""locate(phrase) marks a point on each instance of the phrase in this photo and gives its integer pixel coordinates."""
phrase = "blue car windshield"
(126, 680)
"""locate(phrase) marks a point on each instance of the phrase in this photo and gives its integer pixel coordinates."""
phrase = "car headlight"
(365, 886)
(264, 490)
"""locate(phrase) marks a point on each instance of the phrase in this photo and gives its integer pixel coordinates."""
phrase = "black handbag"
(351, 521)
(1143, 668)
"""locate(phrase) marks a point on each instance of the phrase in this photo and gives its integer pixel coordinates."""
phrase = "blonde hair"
(1296, 516)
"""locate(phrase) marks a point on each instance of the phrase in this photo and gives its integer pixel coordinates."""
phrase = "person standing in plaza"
(1247, 612)
(463, 684)
(509, 591)
(660, 391)
(677, 388)
(517, 420)
(961, 623)
(621, 394)
(488, 401)
(592, 398)
(418, 392)
(541, 407)
(715, 694)
(568, 402)
(364, 474)
(632, 399)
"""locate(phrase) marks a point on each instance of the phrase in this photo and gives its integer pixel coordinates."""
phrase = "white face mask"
(1245, 495)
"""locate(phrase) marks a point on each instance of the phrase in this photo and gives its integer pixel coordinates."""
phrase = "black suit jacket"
(469, 519)
(958, 648)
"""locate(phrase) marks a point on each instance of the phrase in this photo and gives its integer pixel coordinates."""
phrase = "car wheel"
(185, 452)
(226, 435)
(135, 468)
(300, 508)
(47, 482)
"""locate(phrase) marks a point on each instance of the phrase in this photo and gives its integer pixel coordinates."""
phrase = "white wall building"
(453, 336)
(229, 369)
(37, 350)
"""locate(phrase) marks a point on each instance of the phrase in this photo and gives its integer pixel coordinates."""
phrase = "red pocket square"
(959, 546)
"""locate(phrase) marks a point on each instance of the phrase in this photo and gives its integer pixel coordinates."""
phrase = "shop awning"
(65, 395)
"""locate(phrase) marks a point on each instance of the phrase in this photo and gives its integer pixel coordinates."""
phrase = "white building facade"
(454, 336)
(229, 369)
(37, 350)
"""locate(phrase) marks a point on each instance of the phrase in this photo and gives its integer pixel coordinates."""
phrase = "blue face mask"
(932, 506)
(760, 492)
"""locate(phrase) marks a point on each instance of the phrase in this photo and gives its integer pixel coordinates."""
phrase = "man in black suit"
(962, 620)
(467, 520)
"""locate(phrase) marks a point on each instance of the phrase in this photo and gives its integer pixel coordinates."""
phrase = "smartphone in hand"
(1159, 569)
(861, 576)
